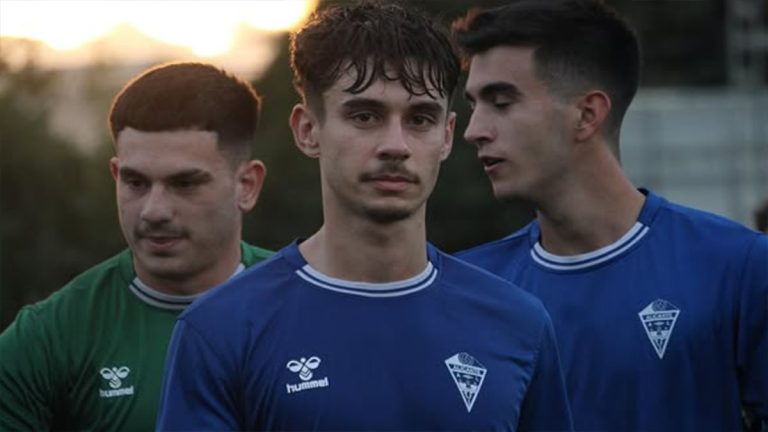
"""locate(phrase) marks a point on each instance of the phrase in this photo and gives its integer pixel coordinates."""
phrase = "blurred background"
(696, 133)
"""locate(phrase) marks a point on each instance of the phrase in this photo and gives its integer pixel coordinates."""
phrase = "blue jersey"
(664, 330)
(284, 347)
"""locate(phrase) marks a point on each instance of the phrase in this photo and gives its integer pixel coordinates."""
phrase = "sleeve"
(196, 394)
(546, 406)
(752, 350)
(27, 386)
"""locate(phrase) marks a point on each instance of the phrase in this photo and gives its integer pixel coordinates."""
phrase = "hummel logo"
(468, 374)
(114, 377)
(659, 320)
(304, 367)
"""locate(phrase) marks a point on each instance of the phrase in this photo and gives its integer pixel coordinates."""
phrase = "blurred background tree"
(57, 207)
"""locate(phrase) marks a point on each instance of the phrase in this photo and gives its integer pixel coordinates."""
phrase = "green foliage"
(289, 206)
(54, 222)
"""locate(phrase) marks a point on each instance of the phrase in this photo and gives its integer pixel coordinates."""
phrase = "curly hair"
(373, 40)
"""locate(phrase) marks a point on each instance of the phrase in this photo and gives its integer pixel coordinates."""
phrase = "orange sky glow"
(74, 31)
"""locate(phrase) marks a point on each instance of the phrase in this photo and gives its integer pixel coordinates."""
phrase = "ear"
(450, 127)
(250, 179)
(593, 110)
(114, 169)
(304, 125)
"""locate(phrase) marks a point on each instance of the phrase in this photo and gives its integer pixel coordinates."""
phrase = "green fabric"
(90, 356)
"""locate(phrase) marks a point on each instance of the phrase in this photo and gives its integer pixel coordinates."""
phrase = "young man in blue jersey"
(90, 357)
(364, 325)
(660, 310)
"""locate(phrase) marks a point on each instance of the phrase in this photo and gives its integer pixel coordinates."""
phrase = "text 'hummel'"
(114, 377)
(304, 368)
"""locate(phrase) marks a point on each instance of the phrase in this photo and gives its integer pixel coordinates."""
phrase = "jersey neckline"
(166, 301)
(597, 257)
(365, 289)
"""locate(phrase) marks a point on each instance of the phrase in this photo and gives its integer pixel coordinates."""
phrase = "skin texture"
(380, 153)
(521, 130)
(180, 202)
(549, 149)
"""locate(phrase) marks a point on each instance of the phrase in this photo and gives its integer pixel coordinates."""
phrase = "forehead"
(502, 64)
(387, 91)
(168, 150)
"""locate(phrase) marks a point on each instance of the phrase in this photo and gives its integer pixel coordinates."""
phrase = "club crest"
(659, 320)
(468, 374)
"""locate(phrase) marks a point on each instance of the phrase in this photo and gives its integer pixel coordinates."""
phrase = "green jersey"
(91, 355)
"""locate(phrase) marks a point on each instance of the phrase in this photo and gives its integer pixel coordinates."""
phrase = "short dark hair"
(376, 40)
(190, 95)
(578, 44)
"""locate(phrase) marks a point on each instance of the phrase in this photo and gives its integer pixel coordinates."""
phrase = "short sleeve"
(27, 384)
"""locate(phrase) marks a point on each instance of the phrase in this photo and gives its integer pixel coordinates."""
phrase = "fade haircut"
(190, 96)
(578, 45)
(372, 40)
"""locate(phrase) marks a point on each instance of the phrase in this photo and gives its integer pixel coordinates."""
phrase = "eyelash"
(425, 118)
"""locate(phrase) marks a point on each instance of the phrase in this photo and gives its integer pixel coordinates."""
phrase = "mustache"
(158, 230)
(390, 171)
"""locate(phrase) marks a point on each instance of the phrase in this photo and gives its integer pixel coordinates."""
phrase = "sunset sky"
(75, 31)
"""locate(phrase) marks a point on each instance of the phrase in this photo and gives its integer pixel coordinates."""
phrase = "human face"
(180, 201)
(520, 128)
(380, 150)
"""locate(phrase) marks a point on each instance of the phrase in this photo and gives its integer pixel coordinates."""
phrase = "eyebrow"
(192, 173)
(428, 107)
(363, 103)
(490, 90)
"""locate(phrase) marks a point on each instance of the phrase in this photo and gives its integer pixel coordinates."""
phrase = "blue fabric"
(281, 347)
(665, 330)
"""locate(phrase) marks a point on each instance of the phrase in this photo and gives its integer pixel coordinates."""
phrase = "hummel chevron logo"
(304, 367)
(115, 376)
(659, 320)
(468, 374)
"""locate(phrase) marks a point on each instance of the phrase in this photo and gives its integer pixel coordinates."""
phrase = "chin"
(166, 268)
(388, 215)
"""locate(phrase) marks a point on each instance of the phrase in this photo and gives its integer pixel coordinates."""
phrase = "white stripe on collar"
(589, 259)
(163, 300)
(368, 289)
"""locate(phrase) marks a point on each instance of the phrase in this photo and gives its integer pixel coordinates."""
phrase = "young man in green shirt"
(91, 355)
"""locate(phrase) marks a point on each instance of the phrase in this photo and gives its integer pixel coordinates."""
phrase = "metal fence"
(703, 148)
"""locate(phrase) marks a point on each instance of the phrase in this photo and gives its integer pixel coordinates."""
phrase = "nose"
(479, 130)
(157, 206)
(393, 143)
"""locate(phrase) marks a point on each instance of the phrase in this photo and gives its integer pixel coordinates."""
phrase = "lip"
(490, 164)
(159, 244)
(391, 183)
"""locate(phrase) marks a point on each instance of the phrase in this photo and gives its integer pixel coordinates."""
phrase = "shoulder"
(483, 284)
(78, 295)
(518, 240)
(51, 322)
(705, 228)
(255, 289)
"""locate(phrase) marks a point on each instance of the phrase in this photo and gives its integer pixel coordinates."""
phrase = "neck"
(196, 282)
(595, 207)
(364, 251)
